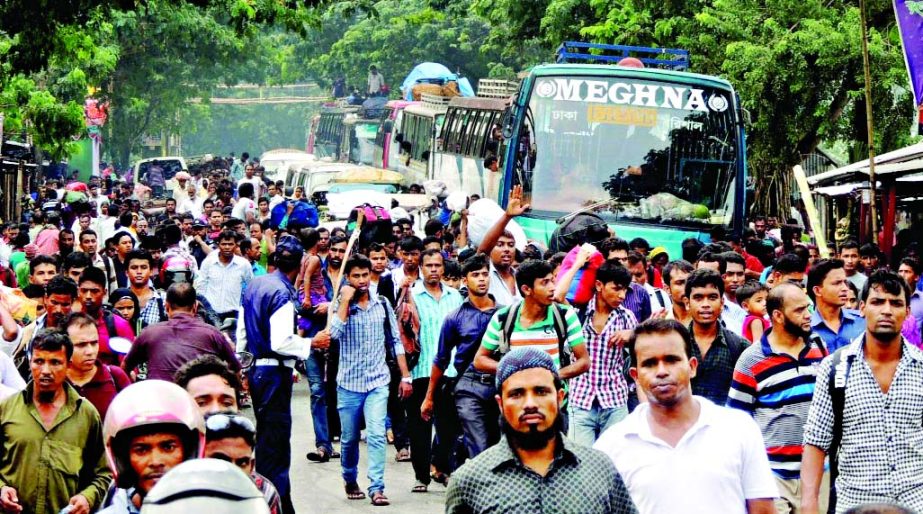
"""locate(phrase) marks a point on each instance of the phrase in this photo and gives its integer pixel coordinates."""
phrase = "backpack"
(303, 215)
(507, 321)
(376, 225)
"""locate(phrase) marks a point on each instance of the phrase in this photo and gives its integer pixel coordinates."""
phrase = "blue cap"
(289, 244)
(521, 359)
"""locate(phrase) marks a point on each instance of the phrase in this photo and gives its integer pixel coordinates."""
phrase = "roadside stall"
(844, 197)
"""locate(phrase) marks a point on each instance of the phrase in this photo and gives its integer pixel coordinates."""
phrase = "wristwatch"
(407, 380)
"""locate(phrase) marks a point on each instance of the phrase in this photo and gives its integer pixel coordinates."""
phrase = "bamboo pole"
(873, 209)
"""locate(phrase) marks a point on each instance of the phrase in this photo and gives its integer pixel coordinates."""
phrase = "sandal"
(380, 500)
(403, 455)
(319, 455)
(440, 478)
(354, 493)
(334, 454)
(420, 487)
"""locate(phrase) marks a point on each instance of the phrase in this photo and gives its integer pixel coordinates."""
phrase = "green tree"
(400, 35)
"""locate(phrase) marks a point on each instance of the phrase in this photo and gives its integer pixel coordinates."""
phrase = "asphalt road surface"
(318, 488)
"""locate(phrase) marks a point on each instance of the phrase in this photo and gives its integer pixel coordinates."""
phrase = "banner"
(909, 15)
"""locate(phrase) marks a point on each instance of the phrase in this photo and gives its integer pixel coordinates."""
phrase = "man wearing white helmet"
(205, 485)
(152, 427)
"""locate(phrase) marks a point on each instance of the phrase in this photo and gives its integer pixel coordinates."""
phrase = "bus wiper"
(583, 210)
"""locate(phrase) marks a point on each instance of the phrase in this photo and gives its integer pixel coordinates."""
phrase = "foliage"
(399, 36)
(222, 129)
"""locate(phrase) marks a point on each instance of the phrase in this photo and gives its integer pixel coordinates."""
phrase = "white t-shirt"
(257, 185)
(718, 464)
(241, 208)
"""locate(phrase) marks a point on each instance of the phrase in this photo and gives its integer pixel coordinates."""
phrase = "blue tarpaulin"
(433, 73)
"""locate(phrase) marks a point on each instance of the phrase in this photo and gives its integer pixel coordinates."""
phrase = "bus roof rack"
(435, 102)
(589, 53)
(497, 88)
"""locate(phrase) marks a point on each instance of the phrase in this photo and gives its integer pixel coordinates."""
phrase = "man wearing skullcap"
(535, 468)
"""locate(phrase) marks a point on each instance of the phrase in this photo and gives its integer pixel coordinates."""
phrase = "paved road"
(318, 488)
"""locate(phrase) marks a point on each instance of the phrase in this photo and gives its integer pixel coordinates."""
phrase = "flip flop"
(379, 499)
(353, 492)
(420, 487)
(319, 455)
(440, 478)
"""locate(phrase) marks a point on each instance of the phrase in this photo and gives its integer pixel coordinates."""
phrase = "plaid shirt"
(155, 310)
(716, 368)
(580, 480)
(362, 345)
(604, 381)
(881, 452)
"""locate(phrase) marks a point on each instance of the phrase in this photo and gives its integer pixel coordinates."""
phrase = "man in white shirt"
(250, 178)
(679, 452)
(223, 276)
(376, 81)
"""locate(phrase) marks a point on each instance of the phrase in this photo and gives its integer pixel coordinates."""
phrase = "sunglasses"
(219, 422)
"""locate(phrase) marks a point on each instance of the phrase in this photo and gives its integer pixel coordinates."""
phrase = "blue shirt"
(432, 313)
(852, 325)
(462, 331)
(638, 302)
(362, 345)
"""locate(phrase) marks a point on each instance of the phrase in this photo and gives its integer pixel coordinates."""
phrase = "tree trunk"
(772, 196)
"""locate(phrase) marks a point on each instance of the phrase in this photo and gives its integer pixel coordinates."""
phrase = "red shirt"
(102, 388)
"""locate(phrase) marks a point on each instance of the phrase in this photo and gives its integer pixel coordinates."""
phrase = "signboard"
(909, 15)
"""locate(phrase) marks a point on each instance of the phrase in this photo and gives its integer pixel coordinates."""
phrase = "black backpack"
(376, 225)
(507, 321)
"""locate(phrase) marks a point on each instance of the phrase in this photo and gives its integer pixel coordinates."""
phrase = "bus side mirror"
(747, 118)
(399, 137)
(507, 123)
(425, 155)
(405, 146)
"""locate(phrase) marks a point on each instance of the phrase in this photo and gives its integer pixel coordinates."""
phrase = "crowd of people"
(749, 374)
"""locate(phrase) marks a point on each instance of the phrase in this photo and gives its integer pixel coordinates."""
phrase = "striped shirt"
(362, 345)
(540, 335)
(432, 313)
(604, 381)
(777, 389)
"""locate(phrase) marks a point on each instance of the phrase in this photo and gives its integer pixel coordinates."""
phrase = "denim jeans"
(351, 407)
(587, 425)
(315, 365)
(271, 393)
(478, 413)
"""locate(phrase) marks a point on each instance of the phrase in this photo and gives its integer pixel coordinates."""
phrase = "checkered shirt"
(151, 312)
(881, 453)
(604, 381)
(362, 345)
(580, 480)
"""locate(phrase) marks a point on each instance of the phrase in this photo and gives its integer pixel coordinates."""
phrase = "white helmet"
(205, 485)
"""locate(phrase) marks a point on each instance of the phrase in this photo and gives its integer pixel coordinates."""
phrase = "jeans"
(478, 412)
(587, 425)
(351, 407)
(271, 393)
(315, 366)
(330, 388)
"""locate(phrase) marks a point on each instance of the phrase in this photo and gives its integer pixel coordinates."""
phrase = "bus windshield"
(630, 149)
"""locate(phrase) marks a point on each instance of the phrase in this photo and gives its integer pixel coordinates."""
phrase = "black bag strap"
(507, 321)
(110, 323)
(560, 328)
(837, 379)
